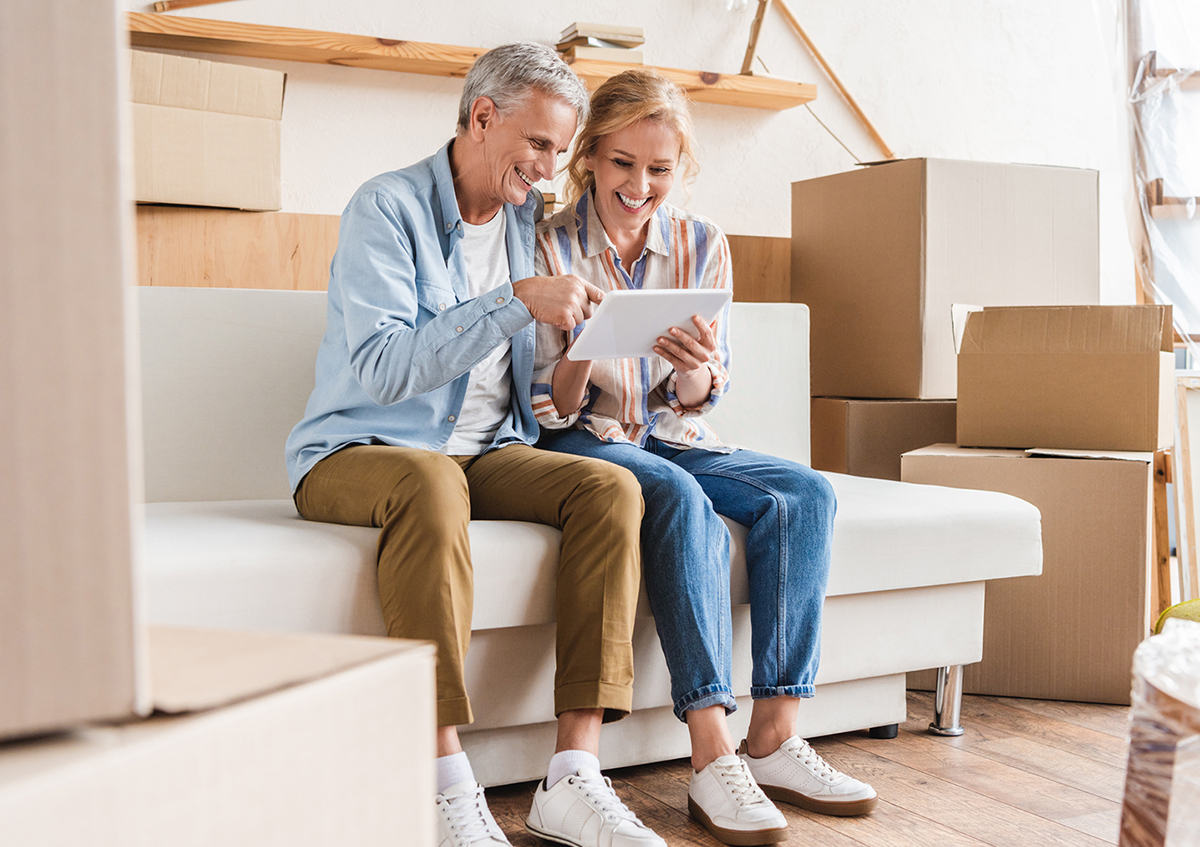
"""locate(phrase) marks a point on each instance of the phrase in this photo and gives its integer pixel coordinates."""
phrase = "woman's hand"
(690, 357)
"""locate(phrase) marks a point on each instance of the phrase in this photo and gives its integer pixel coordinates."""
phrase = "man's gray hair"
(507, 74)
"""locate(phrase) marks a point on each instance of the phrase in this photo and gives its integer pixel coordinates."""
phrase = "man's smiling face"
(522, 146)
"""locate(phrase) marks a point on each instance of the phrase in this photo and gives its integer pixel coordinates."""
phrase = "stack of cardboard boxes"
(881, 256)
(1065, 408)
(1060, 402)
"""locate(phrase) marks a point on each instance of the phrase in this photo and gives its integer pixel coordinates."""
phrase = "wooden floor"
(1027, 773)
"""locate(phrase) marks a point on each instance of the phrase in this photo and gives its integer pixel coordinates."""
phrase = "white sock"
(452, 770)
(568, 762)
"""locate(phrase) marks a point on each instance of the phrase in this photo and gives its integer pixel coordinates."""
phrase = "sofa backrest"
(227, 372)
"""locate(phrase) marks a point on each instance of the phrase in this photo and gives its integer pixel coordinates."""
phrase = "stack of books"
(550, 203)
(605, 42)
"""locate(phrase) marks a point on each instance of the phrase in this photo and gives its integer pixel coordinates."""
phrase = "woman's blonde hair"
(635, 95)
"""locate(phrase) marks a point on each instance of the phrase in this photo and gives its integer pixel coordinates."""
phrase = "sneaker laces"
(737, 777)
(599, 790)
(468, 817)
(810, 758)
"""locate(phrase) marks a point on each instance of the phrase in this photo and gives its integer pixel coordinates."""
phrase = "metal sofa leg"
(947, 701)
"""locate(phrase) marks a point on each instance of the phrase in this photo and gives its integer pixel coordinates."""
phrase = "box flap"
(947, 449)
(197, 669)
(158, 79)
(1068, 329)
(1116, 455)
(959, 312)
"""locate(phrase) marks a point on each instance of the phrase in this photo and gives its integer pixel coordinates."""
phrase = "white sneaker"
(583, 810)
(796, 774)
(463, 818)
(725, 798)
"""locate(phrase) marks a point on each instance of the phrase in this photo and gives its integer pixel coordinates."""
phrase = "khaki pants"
(422, 502)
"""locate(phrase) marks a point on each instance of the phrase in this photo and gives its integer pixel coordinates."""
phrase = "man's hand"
(563, 301)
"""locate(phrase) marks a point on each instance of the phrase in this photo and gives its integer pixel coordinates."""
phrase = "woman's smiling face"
(634, 169)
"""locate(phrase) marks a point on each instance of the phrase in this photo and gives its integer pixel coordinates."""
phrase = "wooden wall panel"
(762, 268)
(226, 248)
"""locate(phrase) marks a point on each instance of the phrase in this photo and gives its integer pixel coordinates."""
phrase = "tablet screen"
(627, 324)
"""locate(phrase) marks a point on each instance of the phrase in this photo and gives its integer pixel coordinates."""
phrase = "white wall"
(988, 80)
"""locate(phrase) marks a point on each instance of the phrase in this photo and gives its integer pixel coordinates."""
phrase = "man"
(421, 420)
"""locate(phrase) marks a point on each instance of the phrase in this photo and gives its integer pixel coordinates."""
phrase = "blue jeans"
(788, 509)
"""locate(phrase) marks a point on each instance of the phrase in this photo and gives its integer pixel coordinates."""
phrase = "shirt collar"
(595, 240)
(444, 179)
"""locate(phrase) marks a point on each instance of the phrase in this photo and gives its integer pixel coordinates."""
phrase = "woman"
(646, 414)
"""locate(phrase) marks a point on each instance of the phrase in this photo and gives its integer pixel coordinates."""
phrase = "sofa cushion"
(256, 564)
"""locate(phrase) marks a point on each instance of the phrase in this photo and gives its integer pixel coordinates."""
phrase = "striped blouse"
(629, 400)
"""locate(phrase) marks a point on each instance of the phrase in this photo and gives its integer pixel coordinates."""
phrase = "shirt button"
(499, 299)
(451, 418)
(458, 329)
(441, 307)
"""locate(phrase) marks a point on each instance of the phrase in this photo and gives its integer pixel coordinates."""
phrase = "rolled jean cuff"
(763, 692)
(702, 698)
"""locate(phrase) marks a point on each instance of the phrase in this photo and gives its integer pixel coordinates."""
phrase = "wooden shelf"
(361, 51)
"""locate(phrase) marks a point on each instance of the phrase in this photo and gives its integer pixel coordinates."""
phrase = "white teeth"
(632, 204)
(524, 178)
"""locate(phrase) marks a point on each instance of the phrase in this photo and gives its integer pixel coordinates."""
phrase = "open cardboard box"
(1068, 377)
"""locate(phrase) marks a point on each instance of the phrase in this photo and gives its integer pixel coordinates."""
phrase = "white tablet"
(627, 324)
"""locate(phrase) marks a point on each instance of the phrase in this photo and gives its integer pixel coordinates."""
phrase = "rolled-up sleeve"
(551, 345)
(406, 335)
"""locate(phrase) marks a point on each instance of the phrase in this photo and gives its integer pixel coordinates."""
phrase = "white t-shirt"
(489, 390)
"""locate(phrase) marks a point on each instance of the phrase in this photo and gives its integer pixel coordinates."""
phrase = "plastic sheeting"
(1162, 787)
(1164, 95)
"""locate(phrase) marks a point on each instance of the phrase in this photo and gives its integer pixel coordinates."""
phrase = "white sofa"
(226, 373)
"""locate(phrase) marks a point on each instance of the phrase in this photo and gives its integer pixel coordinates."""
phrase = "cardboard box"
(1069, 377)
(285, 741)
(1070, 633)
(71, 644)
(205, 133)
(867, 437)
(880, 254)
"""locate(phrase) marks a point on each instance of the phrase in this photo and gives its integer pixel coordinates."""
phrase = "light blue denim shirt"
(402, 335)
